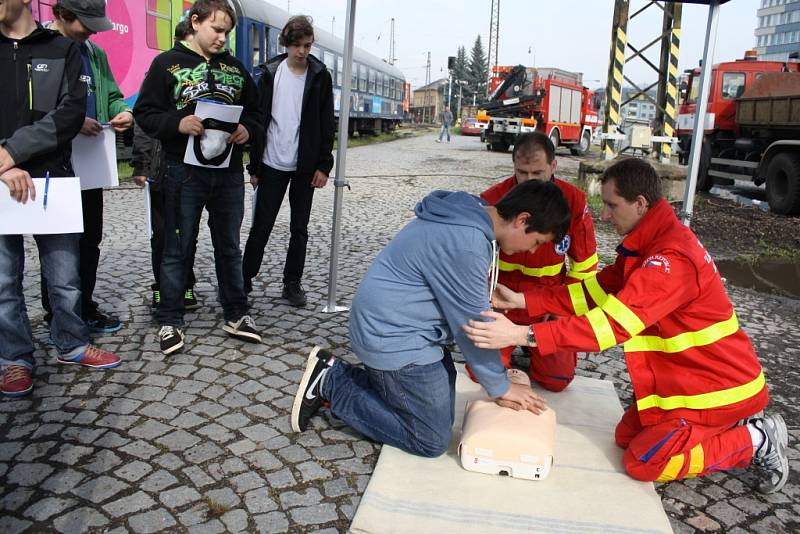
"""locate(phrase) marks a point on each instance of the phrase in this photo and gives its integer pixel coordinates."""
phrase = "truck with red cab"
(751, 130)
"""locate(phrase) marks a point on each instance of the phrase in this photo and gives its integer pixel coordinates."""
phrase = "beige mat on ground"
(587, 490)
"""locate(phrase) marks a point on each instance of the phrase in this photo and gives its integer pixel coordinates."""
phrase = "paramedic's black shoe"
(190, 301)
(100, 323)
(294, 293)
(308, 399)
(770, 458)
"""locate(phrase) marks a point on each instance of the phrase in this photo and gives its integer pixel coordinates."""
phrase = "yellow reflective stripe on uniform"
(578, 299)
(577, 275)
(583, 265)
(548, 270)
(623, 315)
(704, 401)
(674, 467)
(696, 461)
(595, 291)
(602, 328)
(681, 342)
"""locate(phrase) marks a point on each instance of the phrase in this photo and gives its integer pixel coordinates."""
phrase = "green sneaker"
(190, 300)
(156, 299)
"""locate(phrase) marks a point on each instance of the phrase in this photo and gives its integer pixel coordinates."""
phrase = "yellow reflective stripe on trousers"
(583, 265)
(681, 342)
(578, 299)
(696, 461)
(623, 315)
(602, 328)
(704, 401)
(673, 468)
(577, 275)
(549, 270)
(595, 291)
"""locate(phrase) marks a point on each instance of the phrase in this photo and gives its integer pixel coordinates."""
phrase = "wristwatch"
(531, 339)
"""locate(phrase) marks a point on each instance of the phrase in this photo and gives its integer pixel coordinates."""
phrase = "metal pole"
(700, 112)
(450, 90)
(340, 182)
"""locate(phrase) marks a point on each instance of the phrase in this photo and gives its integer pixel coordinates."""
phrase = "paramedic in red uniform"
(534, 158)
(697, 382)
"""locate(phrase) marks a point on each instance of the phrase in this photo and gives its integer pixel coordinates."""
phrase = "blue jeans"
(411, 408)
(58, 255)
(445, 129)
(186, 191)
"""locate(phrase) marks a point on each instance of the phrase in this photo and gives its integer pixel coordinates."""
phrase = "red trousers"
(676, 449)
(553, 372)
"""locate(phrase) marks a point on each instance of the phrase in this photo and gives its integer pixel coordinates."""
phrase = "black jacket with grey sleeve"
(43, 99)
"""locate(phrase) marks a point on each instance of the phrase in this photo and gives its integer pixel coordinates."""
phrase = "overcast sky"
(570, 34)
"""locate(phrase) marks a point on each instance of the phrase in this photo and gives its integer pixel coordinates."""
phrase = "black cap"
(91, 13)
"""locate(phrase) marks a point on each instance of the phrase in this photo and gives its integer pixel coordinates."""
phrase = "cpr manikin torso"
(502, 441)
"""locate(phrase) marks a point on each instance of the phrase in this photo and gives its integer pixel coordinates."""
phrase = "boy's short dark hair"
(296, 28)
(60, 12)
(633, 177)
(544, 201)
(206, 8)
(183, 29)
(528, 143)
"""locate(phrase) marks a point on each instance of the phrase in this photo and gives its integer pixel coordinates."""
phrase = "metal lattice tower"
(494, 40)
(667, 72)
(428, 70)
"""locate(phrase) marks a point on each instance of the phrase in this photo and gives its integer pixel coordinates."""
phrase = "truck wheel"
(704, 181)
(783, 184)
(497, 146)
(583, 146)
(555, 138)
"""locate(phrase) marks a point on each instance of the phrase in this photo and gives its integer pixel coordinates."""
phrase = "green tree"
(460, 72)
(478, 70)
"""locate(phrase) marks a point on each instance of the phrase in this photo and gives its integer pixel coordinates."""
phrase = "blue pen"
(46, 188)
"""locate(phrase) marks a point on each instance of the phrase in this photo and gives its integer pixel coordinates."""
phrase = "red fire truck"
(552, 101)
(751, 128)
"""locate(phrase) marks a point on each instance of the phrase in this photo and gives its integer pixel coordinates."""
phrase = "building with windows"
(428, 101)
(640, 109)
(778, 29)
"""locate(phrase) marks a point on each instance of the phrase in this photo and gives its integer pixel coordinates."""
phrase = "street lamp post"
(533, 64)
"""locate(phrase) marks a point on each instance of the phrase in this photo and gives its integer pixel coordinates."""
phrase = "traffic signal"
(451, 62)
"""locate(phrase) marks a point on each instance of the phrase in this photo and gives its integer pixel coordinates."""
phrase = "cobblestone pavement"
(201, 442)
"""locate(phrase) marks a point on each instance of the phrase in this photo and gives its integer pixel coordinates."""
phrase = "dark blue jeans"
(58, 255)
(411, 408)
(186, 191)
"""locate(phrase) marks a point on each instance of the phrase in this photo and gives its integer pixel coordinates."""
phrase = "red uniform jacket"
(545, 266)
(686, 354)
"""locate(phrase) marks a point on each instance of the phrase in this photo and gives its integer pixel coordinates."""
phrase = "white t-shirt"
(283, 133)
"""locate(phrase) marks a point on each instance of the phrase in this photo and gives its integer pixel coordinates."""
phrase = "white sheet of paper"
(204, 110)
(94, 159)
(62, 216)
(147, 208)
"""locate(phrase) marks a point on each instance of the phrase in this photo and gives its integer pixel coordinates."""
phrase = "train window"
(255, 43)
(339, 67)
(159, 24)
(372, 81)
(362, 78)
(354, 81)
(732, 84)
(330, 60)
(386, 83)
(379, 82)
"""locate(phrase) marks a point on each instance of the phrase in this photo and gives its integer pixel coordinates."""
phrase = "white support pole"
(340, 181)
(700, 112)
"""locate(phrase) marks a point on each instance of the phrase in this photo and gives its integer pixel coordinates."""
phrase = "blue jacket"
(424, 286)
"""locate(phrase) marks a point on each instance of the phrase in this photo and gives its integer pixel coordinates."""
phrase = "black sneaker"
(100, 323)
(771, 457)
(190, 301)
(244, 329)
(156, 299)
(171, 339)
(294, 293)
(308, 399)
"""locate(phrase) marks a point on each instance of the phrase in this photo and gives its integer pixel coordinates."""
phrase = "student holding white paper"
(49, 104)
(79, 20)
(200, 71)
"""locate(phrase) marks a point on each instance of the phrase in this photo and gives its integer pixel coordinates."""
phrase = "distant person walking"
(447, 121)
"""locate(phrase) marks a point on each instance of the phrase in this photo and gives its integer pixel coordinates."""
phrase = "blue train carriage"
(376, 87)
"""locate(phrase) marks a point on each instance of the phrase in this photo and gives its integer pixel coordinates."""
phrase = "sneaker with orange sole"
(93, 357)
